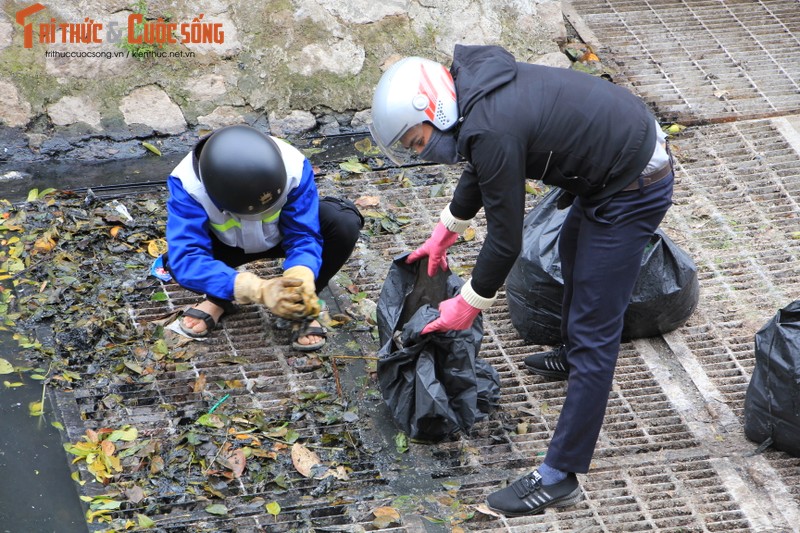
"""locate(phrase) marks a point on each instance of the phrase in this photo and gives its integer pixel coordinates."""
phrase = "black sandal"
(304, 330)
(201, 315)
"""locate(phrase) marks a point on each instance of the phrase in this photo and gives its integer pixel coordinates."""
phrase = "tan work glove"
(309, 289)
(282, 296)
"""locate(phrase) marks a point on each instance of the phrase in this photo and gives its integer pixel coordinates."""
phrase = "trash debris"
(665, 295)
(157, 270)
(435, 385)
(770, 405)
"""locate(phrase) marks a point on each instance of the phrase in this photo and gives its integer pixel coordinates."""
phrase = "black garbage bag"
(772, 402)
(665, 295)
(435, 385)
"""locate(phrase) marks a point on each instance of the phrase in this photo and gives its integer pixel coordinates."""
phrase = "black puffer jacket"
(564, 127)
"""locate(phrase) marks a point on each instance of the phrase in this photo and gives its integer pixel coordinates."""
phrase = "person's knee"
(344, 222)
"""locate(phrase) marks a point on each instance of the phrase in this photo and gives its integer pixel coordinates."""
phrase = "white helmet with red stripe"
(412, 91)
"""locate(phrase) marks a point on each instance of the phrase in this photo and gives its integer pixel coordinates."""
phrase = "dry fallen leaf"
(304, 459)
(156, 247)
(200, 384)
(387, 512)
(368, 201)
(483, 509)
(236, 462)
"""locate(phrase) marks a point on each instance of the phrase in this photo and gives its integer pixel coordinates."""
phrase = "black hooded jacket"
(566, 128)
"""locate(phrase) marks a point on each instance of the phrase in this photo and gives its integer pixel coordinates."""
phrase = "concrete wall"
(287, 66)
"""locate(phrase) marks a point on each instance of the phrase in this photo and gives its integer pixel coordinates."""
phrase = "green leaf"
(273, 508)
(58, 425)
(45, 192)
(352, 165)
(211, 421)
(33, 194)
(438, 190)
(292, 436)
(151, 148)
(145, 521)
(366, 147)
(6, 367)
(160, 296)
(401, 442)
(126, 433)
(217, 509)
(133, 365)
(160, 347)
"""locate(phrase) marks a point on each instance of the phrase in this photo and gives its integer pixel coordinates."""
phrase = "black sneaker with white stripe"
(552, 364)
(528, 496)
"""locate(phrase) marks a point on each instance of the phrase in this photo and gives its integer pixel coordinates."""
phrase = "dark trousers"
(601, 246)
(340, 225)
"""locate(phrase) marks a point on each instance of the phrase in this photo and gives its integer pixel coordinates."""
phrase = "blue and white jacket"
(192, 217)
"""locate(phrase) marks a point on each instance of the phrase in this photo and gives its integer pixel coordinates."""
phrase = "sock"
(550, 475)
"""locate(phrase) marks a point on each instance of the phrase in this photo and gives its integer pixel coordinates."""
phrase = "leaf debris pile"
(72, 268)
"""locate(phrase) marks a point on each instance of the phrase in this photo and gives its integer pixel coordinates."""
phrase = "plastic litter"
(435, 385)
(665, 295)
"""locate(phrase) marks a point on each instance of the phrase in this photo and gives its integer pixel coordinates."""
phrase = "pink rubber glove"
(435, 248)
(454, 314)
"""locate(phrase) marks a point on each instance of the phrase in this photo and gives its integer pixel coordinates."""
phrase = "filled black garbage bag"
(772, 402)
(665, 295)
(435, 385)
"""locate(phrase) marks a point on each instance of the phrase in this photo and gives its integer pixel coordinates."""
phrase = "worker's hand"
(435, 248)
(282, 296)
(308, 288)
(454, 314)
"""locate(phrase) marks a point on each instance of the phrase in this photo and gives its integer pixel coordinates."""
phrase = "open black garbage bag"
(435, 384)
(772, 402)
(665, 295)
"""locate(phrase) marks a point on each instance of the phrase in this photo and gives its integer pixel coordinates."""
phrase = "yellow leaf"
(151, 148)
(156, 247)
(36, 408)
(43, 245)
(6, 367)
(674, 128)
(386, 512)
(273, 508)
(126, 433)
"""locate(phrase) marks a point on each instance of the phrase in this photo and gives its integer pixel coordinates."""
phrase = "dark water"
(146, 174)
(37, 494)
(108, 178)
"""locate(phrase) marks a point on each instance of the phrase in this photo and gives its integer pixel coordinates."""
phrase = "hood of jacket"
(479, 70)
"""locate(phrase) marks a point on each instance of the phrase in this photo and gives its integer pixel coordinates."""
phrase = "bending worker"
(240, 196)
(511, 121)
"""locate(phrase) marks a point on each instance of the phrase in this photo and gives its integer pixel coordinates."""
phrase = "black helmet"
(242, 170)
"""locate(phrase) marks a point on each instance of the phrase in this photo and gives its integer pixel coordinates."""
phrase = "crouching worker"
(241, 196)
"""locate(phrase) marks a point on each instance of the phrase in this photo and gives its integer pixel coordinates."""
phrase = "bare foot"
(310, 339)
(197, 325)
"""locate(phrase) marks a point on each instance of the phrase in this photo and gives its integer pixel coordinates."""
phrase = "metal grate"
(703, 60)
